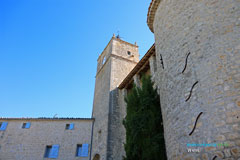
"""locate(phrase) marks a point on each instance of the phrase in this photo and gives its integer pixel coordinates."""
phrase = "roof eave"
(137, 67)
(151, 13)
(45, 118)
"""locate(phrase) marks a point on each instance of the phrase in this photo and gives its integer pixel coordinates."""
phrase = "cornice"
(151, 13)
(117, 57)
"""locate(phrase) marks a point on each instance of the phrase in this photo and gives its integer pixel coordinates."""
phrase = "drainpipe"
(90, 157)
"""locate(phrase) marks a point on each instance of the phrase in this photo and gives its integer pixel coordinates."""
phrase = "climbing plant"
(143, 123)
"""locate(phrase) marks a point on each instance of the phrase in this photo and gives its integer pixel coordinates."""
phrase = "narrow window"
(3, 126)
(104, 60)
(26, 125)
(79, 150)
(82, 150)
(129, 53)
(99, 135)
(51, 151)
(69, 126)
(47, 152)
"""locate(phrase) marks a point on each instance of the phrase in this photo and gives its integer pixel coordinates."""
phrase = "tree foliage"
(143, 123)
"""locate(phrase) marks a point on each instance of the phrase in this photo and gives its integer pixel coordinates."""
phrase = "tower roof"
(120, 40)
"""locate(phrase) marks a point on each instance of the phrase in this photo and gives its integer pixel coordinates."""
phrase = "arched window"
(96, 157)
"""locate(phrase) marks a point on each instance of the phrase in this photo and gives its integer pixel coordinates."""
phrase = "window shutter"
(3, 126)
(79, 152)
(54, 151)
(84, 150)
(71, 127)
(28, 125)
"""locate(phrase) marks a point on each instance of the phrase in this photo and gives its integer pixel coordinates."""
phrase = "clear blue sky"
(49, 50)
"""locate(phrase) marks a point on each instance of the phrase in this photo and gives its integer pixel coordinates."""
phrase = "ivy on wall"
(143, 123)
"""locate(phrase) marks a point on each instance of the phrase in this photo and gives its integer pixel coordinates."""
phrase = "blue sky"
(49, 51)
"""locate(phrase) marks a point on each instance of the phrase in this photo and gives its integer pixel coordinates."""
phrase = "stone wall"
(101, 111)
(107, 142)
(17, 143)
(120, 69)
(200, 47)
(121, 132)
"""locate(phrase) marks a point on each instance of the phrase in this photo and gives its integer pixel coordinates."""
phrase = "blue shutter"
(3, 126)
(71, 126)
(79, 151)
(84, 150)
(54, 151)
(28, 125)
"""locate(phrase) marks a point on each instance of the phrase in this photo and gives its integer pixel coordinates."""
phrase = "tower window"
(104, 60)
(129, 53)
(99, 136)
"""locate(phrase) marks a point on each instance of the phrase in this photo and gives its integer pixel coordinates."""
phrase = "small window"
(82, 150)
(26, 125)
(79, 150)
(129, 53)
(99, 136)
(104, 60)
(51, 151)
(69, 126)
(47, 152)
(3, 126)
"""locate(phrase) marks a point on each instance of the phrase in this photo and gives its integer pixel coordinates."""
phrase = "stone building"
(199, 44)
(115, 77)
(45, 138)
(114, 63)
(194, 64)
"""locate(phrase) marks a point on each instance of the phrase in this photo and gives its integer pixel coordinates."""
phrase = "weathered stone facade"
(199, 42)
(194, 63)
(17, 143)
(115, 62)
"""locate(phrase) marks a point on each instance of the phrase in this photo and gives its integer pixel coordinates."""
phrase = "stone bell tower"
(114, 64)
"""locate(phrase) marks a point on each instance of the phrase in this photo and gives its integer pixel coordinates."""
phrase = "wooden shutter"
(79, 150)
(84, 150)
(28, 125)
(54, 151)
(71, 127)
(3, 126)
